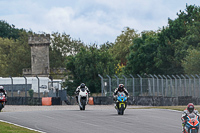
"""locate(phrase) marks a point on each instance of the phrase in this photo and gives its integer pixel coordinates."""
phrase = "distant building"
(39, 44)
(39, 56)
(32, 83)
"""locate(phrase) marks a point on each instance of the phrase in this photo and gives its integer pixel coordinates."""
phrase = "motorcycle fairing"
(192, 122)
(122, 99)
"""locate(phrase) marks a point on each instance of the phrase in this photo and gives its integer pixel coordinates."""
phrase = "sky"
(91, 21)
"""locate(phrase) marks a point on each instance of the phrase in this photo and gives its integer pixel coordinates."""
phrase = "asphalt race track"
(98, 120)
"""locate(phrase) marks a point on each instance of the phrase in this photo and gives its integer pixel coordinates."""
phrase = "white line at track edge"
(168, 110)
(22, 126)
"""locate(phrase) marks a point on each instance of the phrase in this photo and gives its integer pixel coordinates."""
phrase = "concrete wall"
(23, 101)
(30, 101)
(102, 100)
(155, 101)
(150, 101)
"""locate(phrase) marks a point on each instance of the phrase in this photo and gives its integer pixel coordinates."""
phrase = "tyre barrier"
(91, 101)
(46, 101)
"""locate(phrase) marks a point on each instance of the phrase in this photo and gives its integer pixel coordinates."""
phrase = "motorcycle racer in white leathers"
(82, 85)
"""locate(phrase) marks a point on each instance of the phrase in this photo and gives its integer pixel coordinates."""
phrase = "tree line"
(172, 49)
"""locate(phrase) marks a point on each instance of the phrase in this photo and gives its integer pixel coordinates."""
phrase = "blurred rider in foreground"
(3, 91)
(189, 110)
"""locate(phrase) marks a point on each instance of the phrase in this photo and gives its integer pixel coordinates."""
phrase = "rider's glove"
(114, 98)
(184, 122)
(76, 92)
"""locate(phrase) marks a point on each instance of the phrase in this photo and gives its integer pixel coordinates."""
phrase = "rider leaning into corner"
(120, 88)
(3, 91)
(190, 109)
(82, 85)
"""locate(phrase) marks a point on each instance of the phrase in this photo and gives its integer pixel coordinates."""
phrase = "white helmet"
(1, 87)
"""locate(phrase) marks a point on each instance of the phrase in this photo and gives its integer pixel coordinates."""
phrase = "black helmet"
(82, 85)
(121, 87)
(190, 107)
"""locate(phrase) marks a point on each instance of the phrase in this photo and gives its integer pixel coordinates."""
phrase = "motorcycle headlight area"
(120, 99)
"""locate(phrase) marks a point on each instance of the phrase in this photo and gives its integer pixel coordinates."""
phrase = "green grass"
(10, 128)
(179, 108)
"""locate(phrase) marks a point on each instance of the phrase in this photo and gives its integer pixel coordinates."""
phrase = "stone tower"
(39, 44)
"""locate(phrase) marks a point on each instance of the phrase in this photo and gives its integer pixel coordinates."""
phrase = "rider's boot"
(115, 106)
(183, 128)
(77, 99)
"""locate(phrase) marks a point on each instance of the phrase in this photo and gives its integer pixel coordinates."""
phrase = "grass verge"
(179, 108)
(10, 128)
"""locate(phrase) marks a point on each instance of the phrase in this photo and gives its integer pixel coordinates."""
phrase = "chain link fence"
(153, 85)
(150, 85)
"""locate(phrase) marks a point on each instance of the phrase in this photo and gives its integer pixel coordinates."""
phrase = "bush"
(31, 92)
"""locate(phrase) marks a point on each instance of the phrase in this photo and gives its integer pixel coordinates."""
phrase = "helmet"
(82, 85)
(190, 107)
(121, 87)
(1, 87)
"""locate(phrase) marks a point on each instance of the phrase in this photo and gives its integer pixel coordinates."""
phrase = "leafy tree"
(119, 69)
(62, 45)
(3, 58)
(176, 38)
(15, 55)
(177, 28)
(15, 51)
(87, 64)
(20, 56)
(5, 48)
(142, 57)
(191, 62)
(9, 31)
(120, 49)
(31, 92)
(56, 58)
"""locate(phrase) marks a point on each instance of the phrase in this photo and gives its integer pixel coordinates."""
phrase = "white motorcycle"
(83, 98)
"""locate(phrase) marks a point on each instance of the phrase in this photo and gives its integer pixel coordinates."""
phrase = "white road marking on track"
(49, 117)
(89, 123)
(22, 126)
(174, 110)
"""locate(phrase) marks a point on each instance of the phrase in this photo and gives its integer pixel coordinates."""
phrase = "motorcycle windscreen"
(82, 89)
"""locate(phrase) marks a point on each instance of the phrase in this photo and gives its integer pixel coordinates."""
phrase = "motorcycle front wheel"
(1, 106)
(121, 110)
(83, 104)
(194, 131)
